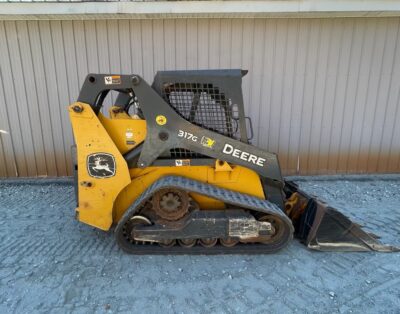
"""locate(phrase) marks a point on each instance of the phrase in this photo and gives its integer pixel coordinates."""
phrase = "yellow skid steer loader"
(172, 168)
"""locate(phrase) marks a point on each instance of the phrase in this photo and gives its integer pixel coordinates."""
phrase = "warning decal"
(112, 80)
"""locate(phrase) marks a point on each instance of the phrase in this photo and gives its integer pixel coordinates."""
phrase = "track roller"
(187, 243)
(228, 242)
(208, 242)
(167, 243)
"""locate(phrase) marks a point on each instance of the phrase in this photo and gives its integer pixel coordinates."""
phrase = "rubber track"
(224, 195)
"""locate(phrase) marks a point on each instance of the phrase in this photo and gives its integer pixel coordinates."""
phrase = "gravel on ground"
(49, 262)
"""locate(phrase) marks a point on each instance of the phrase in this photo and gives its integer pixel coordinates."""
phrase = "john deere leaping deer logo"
(101, 165)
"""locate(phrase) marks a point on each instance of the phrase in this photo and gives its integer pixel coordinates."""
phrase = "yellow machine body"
(102, 201)
(222, 196)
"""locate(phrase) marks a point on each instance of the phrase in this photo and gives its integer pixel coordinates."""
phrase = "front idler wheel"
(125, 237)
(278, 228)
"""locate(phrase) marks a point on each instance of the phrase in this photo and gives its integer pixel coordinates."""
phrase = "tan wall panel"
(323, 93)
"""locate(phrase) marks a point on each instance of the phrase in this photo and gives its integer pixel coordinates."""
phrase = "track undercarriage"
(168, 220)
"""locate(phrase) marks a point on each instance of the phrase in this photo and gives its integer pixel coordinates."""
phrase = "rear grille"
(182, 153)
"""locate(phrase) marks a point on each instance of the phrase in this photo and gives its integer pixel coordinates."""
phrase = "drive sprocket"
(171, 204)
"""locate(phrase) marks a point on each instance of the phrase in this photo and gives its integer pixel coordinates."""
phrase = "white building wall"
(322, 93)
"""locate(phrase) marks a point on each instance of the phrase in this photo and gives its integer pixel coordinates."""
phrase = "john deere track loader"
(172, 168)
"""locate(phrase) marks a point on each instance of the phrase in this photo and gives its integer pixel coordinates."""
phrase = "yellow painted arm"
(102, 170)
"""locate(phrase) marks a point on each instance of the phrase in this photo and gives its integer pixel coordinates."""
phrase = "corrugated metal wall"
(323, 93)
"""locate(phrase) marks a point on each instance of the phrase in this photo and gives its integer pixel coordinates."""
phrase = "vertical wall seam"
(230, 44)
(3, 158)
(75, 53)
(8, 122)
(390, 89)
(282, 89)
(324, 96)
(394, 126)
(70, 96)
(345, 94)
(47, 95)
(355, 100)
(97, 45)
(67, 149)
(251, 66)
(38, 102)
(141, 44)
(377, 96)
(262, 82)
(313, 95)
(230, 40)
(197, 46)
(16, 100)
(175, 43)
(397, 113)
(241, 48)
(368, 85)
(26, 97)
(152, 44)
(299, 142)
(296, 57)
(335, 94)
(387, 101)
(219, 43)
(208, 43)
(163, 44)
(58, 96)
(272, 84)
(65, 61)
(130, 46)
(86, 47)
(6, 171)
(119, 44)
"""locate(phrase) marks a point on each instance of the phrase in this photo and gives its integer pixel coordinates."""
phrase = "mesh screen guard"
(211, 99)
